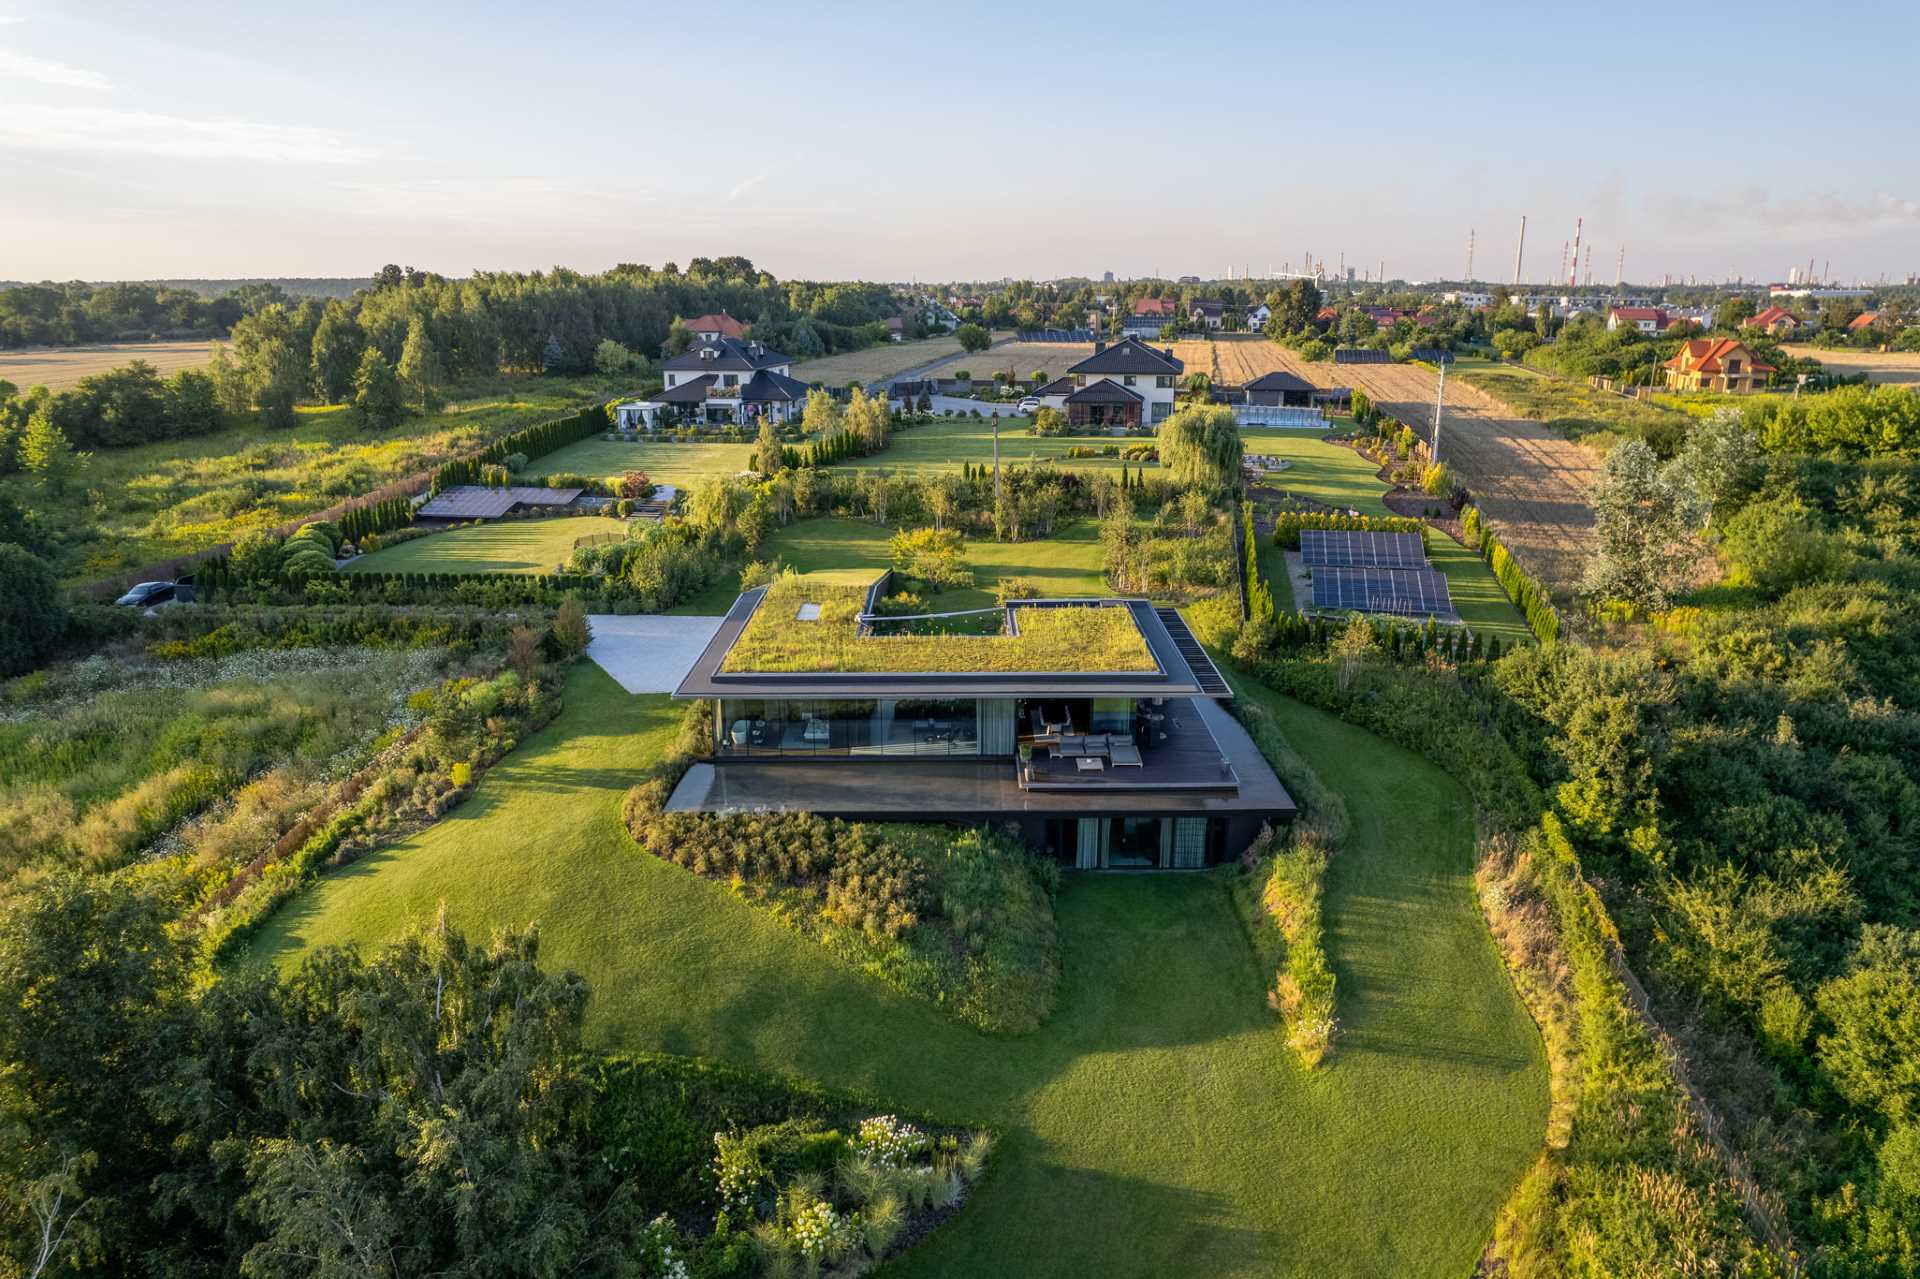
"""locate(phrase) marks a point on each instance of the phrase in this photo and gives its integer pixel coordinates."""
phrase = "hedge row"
(1525, 591)
(534, 441)
(1288, 525)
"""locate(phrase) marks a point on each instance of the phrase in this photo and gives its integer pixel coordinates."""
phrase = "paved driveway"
(648, 654)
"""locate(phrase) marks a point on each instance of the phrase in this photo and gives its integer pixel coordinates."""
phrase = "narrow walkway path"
(1157, 1126)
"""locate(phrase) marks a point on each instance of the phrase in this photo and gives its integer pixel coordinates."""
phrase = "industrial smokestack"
(1520, 251)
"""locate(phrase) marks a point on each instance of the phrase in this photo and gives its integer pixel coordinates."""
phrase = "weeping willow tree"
(1201, 442)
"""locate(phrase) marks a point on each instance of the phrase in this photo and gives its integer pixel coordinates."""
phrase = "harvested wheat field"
(59, 367)
(1230, 361)
(1531, 483)
(1024, 358)
(1901, 368)
(875, 362)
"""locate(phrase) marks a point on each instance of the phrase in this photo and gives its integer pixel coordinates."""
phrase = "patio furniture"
(1090, 764)
(817, 730)
(1125, 755)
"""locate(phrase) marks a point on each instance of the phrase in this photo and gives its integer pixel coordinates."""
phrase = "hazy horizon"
(958, 145)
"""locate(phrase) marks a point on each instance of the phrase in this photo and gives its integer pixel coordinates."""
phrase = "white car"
(1029, 405)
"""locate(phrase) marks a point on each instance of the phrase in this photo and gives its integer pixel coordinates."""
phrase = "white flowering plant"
(890, 1142)
(659, 1257)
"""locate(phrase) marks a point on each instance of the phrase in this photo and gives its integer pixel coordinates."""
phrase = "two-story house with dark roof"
(1094, 726)
(1128, 385)
(728, 380)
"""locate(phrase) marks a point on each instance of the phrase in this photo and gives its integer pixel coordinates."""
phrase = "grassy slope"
(1157, 1125)
(508, 546)
(179, 496)
(855, 551)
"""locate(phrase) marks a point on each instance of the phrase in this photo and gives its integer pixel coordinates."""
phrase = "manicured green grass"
(1477, 594)
(945, 444)
(682, 465)
(1323, 471)
(1068, 563)
(1273, 569)
(504, 546)
(1157, 1125)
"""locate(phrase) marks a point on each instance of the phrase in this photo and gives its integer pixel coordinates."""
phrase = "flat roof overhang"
(973, 791)
(1175, 676)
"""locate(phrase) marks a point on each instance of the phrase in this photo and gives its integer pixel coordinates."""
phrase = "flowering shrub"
(659, 1258)
(890, 1142)
(818, 1231)
(738, 1170)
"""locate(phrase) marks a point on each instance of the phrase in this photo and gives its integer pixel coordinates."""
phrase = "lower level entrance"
(1136, 843)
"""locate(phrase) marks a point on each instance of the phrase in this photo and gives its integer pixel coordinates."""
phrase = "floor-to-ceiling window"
(882, 726)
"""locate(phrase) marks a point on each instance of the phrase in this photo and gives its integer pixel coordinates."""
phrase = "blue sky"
(937, 142)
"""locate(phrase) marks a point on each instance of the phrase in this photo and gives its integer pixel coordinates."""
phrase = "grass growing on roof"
(1155, 1125)
(1091, 638)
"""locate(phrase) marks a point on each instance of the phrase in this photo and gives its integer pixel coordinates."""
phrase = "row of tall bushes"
(1525, 590)
(1280, 893)
(1288, 525)
(529, 442)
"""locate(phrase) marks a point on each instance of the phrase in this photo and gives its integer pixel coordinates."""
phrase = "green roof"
(1079, 638)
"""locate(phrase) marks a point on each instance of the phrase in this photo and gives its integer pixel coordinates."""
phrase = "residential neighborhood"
(744, 662)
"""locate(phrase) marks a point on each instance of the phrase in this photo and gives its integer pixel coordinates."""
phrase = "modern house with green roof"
(1094, 725)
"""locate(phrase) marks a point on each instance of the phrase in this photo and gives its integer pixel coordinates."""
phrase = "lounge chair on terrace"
(1124, 754)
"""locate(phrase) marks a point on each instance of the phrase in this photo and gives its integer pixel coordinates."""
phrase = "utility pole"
(1520, 251)
(1438, 399)
(996, 463)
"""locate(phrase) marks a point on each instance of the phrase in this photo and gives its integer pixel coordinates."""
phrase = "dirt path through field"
(1532, 483)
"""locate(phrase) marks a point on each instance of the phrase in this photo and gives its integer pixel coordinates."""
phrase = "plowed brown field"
(1531, 483)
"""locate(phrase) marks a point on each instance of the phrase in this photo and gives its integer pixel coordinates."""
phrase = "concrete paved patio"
(648, 654)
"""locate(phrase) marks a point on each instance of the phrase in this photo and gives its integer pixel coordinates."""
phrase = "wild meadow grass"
(119, 756)
(133, 506)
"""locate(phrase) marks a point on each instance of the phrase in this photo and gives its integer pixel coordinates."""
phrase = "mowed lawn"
(1068, 563)
(1156, 1126)
(948, 443)
(504, 546)
(1340, 477)
(682, 465)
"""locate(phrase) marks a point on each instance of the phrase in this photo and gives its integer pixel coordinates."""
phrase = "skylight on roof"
(808, 613)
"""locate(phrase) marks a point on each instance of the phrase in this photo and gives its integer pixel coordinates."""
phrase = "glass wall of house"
(908, 727)
(1136, 843)
(1044, 717)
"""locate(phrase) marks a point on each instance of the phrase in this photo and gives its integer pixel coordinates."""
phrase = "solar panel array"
(481, 502)
(1361, 355)
(1406, 592)
(1340, 548)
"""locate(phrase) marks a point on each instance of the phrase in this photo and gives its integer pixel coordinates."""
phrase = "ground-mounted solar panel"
(1352, 548)
(1361, 355)
(1402, 592)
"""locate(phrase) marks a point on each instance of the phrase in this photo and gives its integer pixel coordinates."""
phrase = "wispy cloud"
(48, 128)
(1756, 206)
(47, 71)
(742, 187)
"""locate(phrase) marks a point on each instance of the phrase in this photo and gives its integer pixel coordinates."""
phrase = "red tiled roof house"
(1715, 364)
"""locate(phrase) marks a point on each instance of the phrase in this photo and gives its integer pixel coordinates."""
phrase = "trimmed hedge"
(530, 442)
(1288, 525)
(1524, 590)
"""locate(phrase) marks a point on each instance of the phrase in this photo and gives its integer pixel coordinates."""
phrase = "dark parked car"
(147, 594)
